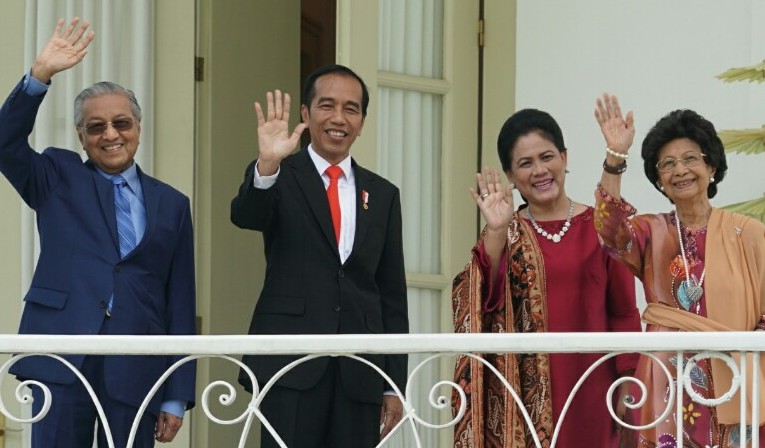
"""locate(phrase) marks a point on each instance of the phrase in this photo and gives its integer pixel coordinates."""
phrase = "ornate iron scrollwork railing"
(705, 345)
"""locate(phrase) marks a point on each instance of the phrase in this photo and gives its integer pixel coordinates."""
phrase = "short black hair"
(522, 123)
(684, 123)
(309, 87)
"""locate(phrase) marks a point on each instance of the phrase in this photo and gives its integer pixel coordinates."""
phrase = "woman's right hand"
(617, 130)
(494, 200)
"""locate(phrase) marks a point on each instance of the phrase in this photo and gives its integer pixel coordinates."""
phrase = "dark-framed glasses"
(689, 159)
(99, 127)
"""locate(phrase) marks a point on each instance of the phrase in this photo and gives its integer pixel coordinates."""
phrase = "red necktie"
(334, 172)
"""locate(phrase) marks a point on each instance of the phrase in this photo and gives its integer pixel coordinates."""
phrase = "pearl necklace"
(690, 289)
(554, 237)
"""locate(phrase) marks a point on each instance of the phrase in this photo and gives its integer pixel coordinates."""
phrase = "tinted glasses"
(689, 159)
(99, 127)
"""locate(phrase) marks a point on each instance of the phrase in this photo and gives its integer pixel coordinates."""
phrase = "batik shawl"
(491, 418)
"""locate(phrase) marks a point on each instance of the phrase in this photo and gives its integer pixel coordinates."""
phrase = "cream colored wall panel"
(250, 47)
(174, 94)
(12, 51)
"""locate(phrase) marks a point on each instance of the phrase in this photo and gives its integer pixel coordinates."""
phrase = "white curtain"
(409, 154)
(122, 52)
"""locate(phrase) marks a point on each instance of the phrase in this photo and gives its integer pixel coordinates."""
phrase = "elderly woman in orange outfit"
(703, 269)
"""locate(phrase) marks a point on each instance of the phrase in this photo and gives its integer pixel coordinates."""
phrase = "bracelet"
(616, 170)
(621, 155)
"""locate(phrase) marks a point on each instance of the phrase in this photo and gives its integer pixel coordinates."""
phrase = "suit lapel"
(364, 187)
(151, 199)
(105, 193)
(312, 186)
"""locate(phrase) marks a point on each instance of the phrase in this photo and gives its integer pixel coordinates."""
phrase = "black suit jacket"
(308, 291)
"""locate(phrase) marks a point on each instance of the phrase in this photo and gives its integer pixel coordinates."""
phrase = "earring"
(711, 180)
(659, 186)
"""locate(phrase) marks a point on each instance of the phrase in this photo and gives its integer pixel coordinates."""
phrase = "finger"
(278, 104)
(83, 44)
(170, 433)
(481, 183)
(490, 182)
(80, 31)
(475, 195)
(617, 109)
(160, 428)
(601, 113)
(630, 120)
(386, 429)
(607, 106)
(269, 106)
(286, 111)
(57, 30)
(295, 137)
(259, 113)
(497, 180)
(70, 28)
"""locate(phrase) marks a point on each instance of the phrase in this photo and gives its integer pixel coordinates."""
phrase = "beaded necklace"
(554, 237)
(690, 289)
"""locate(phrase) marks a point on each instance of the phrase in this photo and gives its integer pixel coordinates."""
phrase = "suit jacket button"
(102, 305)
(118, 268)
(337, 308)
(341, 273)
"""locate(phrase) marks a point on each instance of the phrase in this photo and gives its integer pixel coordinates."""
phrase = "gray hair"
(104, 88)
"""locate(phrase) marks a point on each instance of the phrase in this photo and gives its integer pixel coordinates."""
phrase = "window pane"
(409, 155)
(411, 37)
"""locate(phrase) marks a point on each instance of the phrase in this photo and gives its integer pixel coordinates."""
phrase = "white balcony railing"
(436, 346)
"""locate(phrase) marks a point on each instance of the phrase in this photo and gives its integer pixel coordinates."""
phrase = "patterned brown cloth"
(490, 419)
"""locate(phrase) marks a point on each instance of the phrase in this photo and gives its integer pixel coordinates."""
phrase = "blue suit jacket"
(80, 266)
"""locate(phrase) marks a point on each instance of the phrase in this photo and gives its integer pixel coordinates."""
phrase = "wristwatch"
(617, 170)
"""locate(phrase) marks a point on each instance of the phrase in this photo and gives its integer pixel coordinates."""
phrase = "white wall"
(657, 56)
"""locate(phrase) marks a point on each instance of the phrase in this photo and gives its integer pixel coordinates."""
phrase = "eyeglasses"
(689, 159)
(98, 128)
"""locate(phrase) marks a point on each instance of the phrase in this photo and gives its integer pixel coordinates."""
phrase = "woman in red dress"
(539, 269)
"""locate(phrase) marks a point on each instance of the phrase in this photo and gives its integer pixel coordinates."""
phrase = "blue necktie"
(124, 223)
(124, 219)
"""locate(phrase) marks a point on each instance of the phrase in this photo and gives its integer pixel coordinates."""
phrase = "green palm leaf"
(743, 141)
(755, 73)
(754, 208)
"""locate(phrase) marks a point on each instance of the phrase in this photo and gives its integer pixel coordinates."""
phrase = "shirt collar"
(322, 165)
(130, 175)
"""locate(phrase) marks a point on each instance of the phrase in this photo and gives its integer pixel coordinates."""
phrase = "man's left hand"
(167, 427)
(390, 414)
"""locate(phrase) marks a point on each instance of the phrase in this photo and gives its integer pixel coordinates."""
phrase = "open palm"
(618, 131)
(274, 139)
(64, 49)
(494, 200)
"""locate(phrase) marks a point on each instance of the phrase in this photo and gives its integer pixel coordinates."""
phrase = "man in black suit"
(329, 271)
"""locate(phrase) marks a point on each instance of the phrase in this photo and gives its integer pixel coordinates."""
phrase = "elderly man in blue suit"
(116, 257)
